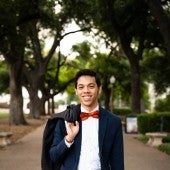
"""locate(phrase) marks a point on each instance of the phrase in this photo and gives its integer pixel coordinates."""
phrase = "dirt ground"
(22, 130)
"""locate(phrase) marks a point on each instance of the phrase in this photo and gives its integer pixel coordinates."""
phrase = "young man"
(95, 140)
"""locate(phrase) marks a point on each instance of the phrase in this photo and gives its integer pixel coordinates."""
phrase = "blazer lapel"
(102, 127)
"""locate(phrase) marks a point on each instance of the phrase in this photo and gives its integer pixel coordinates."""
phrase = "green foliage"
(122, 111)
(61, 78)
(107, 65)
(72, 98)
(143, 138)
(4, 78)
(162, 105)
(83, 54)
(111, 17)
(153, 122)
(81, 11)
(4, 115)
(158, 67)
(165, 147)
(127, 22)
(166, 139)
(60, 102)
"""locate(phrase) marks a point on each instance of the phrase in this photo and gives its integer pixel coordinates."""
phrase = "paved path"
(139, 156)
(26, 154)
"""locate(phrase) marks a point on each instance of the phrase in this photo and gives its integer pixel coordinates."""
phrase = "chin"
(87, 104)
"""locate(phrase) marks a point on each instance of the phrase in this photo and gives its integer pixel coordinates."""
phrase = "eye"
(80, 87)
(91, 86)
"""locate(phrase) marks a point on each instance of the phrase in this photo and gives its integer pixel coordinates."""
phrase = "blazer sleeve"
(117, 158)
(58, 148)
(46, 162)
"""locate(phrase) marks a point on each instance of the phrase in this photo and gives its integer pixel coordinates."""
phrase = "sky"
(68, 41)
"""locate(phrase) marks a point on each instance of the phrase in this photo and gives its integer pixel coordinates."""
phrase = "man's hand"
(72, 130)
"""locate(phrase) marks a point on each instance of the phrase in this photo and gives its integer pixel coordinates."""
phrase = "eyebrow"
(84, 84)
(87, 84)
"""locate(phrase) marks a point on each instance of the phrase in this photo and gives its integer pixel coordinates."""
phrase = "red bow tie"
(84, 115)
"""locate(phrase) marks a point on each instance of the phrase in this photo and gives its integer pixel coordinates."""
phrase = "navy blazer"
(110, 144)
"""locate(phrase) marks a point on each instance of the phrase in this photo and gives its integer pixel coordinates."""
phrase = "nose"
(86, 89)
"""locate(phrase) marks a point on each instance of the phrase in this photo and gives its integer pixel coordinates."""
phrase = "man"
(90, 143)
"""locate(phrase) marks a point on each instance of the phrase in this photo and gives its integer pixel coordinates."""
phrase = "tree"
(12, 43)
(123, 22)
(35, 69)
(161, 10)
(158, 67)
(130, 24)
(22, 45)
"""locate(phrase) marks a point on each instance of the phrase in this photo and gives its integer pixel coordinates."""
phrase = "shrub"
(122, 111)
(166, 139)
(165, 147)
(154, 122)
(143, 138)
(148, 123)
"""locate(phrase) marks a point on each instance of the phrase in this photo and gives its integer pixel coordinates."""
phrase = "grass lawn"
(4, 115)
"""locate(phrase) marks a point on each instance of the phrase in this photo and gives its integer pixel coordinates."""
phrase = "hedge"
(122, 111)
(153, 122)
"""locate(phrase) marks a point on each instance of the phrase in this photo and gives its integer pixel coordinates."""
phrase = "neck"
(89, 109)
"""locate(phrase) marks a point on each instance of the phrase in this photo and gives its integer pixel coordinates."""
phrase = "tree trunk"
(42, 107)
(48, 106)
(16, 101)
(106, 92)
(135, 88)
(107, 101)
(37, 105)
(135, 74)
(52, 106)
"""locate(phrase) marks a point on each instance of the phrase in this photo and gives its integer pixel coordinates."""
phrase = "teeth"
(86, 97)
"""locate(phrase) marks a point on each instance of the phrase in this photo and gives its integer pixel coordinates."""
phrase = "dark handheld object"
(71, 114)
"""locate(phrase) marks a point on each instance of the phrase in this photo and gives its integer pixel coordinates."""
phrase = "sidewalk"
(26, 154)
(139, 156)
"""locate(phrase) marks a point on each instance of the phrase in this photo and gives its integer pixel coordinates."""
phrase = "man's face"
(88, 91)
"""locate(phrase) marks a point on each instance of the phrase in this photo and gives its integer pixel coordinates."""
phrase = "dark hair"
(87, 72)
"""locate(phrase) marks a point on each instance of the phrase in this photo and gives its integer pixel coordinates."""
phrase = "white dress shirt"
(89, 153)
